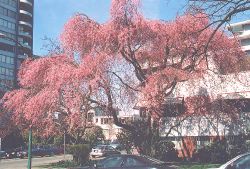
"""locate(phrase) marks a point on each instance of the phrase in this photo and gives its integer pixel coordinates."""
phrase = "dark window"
(6, 71)
(7, 24)
(143, 112)
(90, 117)
(105, 121)
(245, 42)
(8, 35)
(173, 110)
(6, 59)
(7, 12)
(12, 3)
(6, 47)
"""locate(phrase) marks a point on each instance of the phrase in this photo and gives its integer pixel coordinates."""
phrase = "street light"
(30, 128)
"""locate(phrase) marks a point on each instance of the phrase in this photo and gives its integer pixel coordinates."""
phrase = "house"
(105, 121)
(220, 107)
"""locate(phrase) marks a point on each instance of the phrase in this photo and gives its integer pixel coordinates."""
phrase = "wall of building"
(16, 24)
(199, 129)
(105, 121)
(242, 31)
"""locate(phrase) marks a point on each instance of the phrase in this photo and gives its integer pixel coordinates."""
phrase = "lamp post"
(30, 128)
(30, 148)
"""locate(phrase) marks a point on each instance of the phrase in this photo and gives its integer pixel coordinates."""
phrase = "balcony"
(26, 45)
(25, 23)
(246, 47)
(24, 56)
(26, 34)
(25, 13)
(26, 2)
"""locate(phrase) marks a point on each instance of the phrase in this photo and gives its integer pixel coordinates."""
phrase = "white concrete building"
(242, 31)
(110, 130)
(198, 128)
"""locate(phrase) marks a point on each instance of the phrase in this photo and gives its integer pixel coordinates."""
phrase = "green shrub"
(202, 155)
(93, 135)
(218, 151)
(215, 152)
(80, 153)
(222, 150)
(165, 150)
(237, 145)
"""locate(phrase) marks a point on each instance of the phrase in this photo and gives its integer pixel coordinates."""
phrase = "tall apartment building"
(16, 40)
(242, 31)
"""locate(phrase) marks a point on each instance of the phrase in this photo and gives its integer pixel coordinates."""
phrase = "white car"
(103, 151)
(240, 162)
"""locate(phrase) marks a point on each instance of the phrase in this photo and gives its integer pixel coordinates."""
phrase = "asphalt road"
(22, 163)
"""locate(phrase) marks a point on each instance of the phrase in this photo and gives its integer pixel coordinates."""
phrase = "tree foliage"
(127, 60)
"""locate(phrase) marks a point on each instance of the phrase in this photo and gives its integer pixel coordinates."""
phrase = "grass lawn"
(198, 166)
(60, 164)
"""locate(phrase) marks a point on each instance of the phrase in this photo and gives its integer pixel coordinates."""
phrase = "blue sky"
(51, 15)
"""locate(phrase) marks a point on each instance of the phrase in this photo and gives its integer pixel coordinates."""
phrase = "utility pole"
(30, 148)
(64, 147)
(0, 143)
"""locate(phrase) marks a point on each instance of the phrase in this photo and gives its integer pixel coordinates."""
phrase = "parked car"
(128, 162)
(46, 151)
(22, 153)
(11, 153)
(2, 154)
(116, 145)
(103, 151)
(240, 162)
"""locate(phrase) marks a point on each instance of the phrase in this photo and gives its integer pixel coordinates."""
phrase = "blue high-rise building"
(16, 38)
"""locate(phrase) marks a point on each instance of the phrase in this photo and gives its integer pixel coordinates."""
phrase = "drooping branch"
(124, 83)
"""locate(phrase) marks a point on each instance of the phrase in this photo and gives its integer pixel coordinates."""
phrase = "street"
(22, 163)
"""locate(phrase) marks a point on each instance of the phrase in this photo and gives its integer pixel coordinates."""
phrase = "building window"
(12, 3)
(90, 117)
(96, 120)
(6, 59)
(106, 120)
(7, 24)
(6, 82)
(143, 112)
(7, 12)
(6, 47)
(6, 72)
(246, 27)
(8, 35)
(245, 42)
